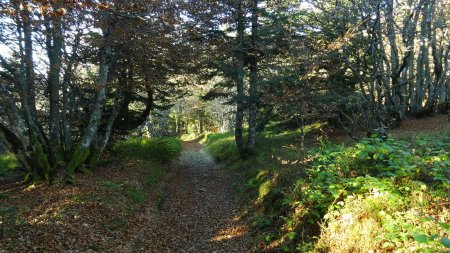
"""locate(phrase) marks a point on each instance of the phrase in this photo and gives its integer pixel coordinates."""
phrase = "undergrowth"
(162, 149)
(373, 195)
(8, 163)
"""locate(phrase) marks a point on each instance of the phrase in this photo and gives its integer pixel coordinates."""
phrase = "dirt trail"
(200, 213)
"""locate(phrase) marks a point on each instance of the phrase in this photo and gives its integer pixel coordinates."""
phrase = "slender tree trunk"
(55, 41)
(29, 62)
(67, 108)
(178, 124)
(238, 128)
(409, 35)
(443, 103)
(253, 78)
(112, 118)
(24, 82)
(422, 62)
(82, 152)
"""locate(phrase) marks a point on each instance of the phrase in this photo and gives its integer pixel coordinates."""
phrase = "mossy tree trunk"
(83, 150)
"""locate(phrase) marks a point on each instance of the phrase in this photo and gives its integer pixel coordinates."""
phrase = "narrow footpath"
(200, 213)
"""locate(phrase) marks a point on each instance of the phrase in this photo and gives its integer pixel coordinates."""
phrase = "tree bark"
(82, 152)
(238, 128)
(55, 41)
(253, 78)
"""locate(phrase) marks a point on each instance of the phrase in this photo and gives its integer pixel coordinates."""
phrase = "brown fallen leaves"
(87, 216)
(95, 215)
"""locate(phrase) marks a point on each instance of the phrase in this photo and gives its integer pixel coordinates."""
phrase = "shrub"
(162, 149)
(222, 147)
(8, 163)
(378, 195)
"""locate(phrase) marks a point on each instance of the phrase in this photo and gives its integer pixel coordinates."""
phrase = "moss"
(58, 156)
(42, 164)
(94, 156)
(264, 189)
(84, 170)
(79, 157)
(8, 163)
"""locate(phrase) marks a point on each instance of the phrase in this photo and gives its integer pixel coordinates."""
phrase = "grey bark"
(422, 61)
(111, 120)
(96, 114)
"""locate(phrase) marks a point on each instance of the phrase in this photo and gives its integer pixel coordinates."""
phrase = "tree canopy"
(75, 74)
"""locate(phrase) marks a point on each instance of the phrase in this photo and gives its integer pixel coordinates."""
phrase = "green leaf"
(387, 245)
(445, 242)
(445, 226)
(363, 154)
(421, 238)
(291, 235)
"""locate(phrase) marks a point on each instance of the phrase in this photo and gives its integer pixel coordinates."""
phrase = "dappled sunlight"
(284, 161)
(236, 230)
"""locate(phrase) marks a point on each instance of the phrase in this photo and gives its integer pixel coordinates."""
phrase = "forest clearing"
(225, 126)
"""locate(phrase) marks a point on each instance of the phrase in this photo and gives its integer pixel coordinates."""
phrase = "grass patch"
(162, 149)
(395, 192)
(222, 147)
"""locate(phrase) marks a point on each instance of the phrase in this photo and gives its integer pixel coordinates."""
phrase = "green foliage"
(162, 149)
(385, 190)
(222, 147)
(79, 157)
(8, 163)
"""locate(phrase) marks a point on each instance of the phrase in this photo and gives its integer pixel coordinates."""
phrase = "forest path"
(200, 213)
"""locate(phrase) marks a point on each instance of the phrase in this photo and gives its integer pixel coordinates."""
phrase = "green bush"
(8, 163)
(222, 147)
(162, 149)
(395, 192)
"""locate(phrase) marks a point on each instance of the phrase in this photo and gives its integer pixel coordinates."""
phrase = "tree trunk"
(112, 118)
(408, 38)
(55, 41)
(238, 128)
(82, 152)
(253, 78)
(67, 109)
(422, 62)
